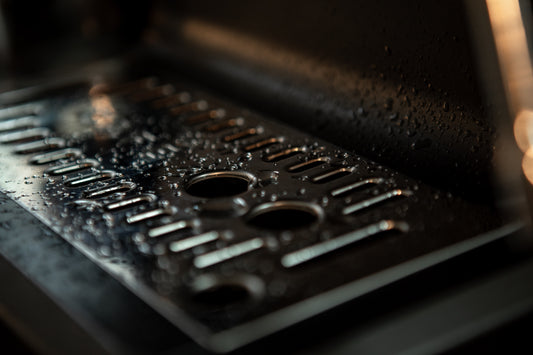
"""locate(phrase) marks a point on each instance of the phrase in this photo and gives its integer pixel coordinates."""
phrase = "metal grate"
(229, 224)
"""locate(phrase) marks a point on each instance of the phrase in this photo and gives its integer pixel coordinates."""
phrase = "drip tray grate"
(229, 224)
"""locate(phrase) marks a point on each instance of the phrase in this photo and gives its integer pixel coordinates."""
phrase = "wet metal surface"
(218, 217)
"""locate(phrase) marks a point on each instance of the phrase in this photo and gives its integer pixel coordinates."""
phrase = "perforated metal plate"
(229, 224)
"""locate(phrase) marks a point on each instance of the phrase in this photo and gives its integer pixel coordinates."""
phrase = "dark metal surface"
(393, 81)
(231, 225)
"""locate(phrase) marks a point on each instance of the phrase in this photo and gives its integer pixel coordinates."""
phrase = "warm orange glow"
(513, 52)
(517, 72)
(523, 129)
(527, 165)
(250, 48)
(103, 111)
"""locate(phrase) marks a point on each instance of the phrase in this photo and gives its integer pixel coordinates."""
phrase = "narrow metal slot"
(130, 202)
(331, 175)
(206, 116)
(19, 111)
(123, 88)
(24, 135)
(201, 105)
(39, 146)
(169, 228)
(227, 253)
(262, 144)
(375, 200)
(220, 126)
(314, 251)
(356, 186)
(143, 216)
(284, 154)
(192, 242)
(152, 93)
(69, 168)
(56, 155)
(306, 165)
(89, 179)
(108, 190)
(173, 100)
(242, 134)
(19, 123)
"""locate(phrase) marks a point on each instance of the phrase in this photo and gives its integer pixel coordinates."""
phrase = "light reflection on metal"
(104, 113)
(517, 72)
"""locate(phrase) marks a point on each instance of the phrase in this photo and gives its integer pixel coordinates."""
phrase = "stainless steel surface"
(228, 223)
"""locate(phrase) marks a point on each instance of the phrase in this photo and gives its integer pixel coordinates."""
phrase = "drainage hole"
(218, 291)
(220, 184)
(285, 215)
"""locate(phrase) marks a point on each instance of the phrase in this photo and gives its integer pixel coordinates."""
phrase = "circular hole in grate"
(221, 291)
(220, 184)
(284, 215)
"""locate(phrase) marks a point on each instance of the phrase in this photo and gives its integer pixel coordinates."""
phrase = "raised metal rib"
(56, 155)
(192, 242)
(19, 111)
(24, 135)
(242, 134)
(201, 105)
(375, 200)
(152, 93)
(355, 186)
(312, 252)
(173, 100)
(123, 88)
(262, 144)
(306, 165)
(18, 123)
(67, 168)
(40, 145)
(170, 228)
(220, 126)
(131, 202)
(284, 154)
(227, 253)
(89, 179)
(206, 116)
(108, 190)
(143, 216)
(331, 175)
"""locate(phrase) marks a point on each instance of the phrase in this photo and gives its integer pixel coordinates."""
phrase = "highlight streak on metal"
(262, 144)
(33, 133)
(17, 123)
(169, 228)
(331, 175)
(284, 154)
(149, 215)
(130, 202)
(40, 145)
(230, 252)
(356, 185)
(65, 168)
(312, 252)
(189, 243)
(242, 134)
(108, 190)
(56, 155)
(88, 179)
(308, 164)
(375, 200)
